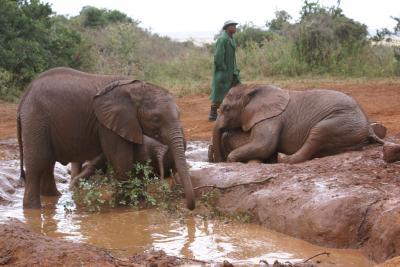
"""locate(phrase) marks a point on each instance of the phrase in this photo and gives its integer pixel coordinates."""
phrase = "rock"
(391, 152)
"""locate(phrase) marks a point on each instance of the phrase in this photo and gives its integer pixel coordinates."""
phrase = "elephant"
(232, 139)
(66, 115)
(235, 138)
(301, 124)
(151, 151)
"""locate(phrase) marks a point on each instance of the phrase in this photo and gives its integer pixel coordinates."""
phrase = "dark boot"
(213, 113)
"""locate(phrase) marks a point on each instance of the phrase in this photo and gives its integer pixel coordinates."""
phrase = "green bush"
(32, 41)
(142, 189)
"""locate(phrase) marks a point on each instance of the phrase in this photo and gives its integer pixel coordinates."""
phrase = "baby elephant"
(232, 139)
(302, 125)
(151, 150)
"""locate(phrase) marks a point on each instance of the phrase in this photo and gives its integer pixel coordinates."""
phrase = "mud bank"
(351, 200)
(20, 246)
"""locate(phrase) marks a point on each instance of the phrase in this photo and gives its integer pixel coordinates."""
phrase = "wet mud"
(350, 200)
(116, 235)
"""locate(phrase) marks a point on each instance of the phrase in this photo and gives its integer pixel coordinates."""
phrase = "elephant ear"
(117, 111)
(263, 102)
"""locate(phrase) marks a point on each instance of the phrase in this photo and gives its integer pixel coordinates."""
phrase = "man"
(226, 73)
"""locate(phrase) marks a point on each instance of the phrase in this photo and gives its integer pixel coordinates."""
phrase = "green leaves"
(142, 189)
(32, 41)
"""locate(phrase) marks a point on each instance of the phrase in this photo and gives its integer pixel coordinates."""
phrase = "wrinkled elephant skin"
(300, 124)
(71, 116)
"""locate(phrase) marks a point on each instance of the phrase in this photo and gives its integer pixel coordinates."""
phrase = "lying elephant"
(302, 125)
(113, 112)
(161, 160)
(232, 139)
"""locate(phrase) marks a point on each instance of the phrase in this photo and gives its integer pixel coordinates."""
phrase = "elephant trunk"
(178, 151)
(216, 142)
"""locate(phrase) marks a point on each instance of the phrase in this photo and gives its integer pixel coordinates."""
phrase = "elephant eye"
(226, 108)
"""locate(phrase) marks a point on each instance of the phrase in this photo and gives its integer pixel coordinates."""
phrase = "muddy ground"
(349, 200)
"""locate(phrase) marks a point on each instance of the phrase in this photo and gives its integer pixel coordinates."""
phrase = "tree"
(30, 42)
(280, 22)
(248, 33)
(95, 17)
(325, 36)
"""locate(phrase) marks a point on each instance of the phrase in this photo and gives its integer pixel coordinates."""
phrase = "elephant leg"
(47, 182)
(32, 189)
(76, 168)
(97, 163)
(118, 152)
(323, 136)
(39, 165)
(262, 145)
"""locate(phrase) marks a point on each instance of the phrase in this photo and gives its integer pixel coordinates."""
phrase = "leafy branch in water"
(143, 188)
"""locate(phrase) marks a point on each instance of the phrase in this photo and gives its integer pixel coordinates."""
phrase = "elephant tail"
(21, 149)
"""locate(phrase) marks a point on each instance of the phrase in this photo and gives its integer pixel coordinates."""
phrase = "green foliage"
(8, 89)
(31, 41)
(280, 22)
(95, 17)
(248, 33)
(325, 37)
(143, 188)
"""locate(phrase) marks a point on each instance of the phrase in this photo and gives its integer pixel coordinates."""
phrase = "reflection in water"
(126, 231)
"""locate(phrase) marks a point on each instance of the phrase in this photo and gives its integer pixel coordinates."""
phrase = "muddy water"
(126, 231)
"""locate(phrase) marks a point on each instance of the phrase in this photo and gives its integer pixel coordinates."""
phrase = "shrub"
(143, 188)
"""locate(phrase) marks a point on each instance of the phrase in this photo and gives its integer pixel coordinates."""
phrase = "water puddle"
(126, 231)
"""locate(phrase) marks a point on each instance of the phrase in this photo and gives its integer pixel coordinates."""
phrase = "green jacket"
(226, 73)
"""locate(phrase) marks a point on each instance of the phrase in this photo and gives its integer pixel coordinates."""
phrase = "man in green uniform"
(226, 73)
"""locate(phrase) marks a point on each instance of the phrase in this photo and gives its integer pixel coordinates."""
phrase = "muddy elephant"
(302, 125)
(232, 139)
(158, 154)
(71, 116)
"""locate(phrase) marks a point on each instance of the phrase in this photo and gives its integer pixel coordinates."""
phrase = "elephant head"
(132, 109)
(245, 106)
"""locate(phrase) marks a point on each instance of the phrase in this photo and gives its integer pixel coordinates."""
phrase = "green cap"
(228, 23)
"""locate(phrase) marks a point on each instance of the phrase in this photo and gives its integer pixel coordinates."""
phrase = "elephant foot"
(49, 192)
(52, 193)
(292, 159)
(255, 161)
(32, 204)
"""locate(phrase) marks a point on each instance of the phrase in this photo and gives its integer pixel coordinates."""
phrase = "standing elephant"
(71, 116)
(160, 158)
(302, 125)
